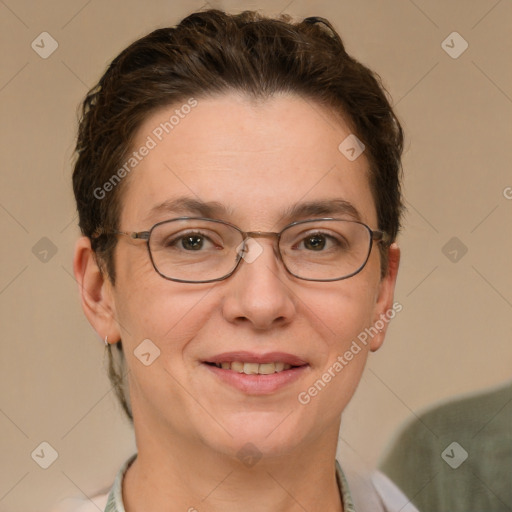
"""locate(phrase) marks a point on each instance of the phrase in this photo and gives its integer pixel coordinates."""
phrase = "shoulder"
(466, 413)
(393, 499)
(475, 427)
(375, 492)
(456, 418)
(94, 504)
(98, 503)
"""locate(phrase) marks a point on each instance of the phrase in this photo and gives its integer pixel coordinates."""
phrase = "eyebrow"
(216, 210)
(187, 205)
(324, 208)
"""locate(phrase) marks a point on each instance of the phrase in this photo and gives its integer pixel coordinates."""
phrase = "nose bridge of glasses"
(264, 234)
(261, 234)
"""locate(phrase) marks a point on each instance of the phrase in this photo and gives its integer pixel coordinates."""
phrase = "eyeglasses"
(202, 250)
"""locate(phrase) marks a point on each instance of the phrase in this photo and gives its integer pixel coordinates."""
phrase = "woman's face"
(257, 160)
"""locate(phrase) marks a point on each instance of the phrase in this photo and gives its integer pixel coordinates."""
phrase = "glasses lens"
(194, 250)
(325, 249)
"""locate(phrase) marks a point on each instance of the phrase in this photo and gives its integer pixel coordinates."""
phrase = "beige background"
(453, 335)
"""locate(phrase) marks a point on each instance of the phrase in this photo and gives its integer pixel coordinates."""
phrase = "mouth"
(254, 368)
(256, 374)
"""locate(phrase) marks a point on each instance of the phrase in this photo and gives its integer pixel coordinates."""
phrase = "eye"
(193, 242)
(322, 242)
(315, 242)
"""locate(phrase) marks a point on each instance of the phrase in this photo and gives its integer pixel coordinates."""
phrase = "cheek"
(151, 307)
(342, 317)
(339, 313)
(169, 317)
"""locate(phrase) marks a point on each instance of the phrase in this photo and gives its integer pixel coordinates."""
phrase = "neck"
(191, 476)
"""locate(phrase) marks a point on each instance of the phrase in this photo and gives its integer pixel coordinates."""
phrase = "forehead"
(257, 161)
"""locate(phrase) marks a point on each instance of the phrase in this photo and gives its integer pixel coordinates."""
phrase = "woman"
(238, 190)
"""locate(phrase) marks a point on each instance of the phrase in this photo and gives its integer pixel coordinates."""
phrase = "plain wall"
(453, 335)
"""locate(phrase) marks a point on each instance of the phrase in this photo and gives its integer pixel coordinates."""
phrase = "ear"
(96, 291)
(385, 309)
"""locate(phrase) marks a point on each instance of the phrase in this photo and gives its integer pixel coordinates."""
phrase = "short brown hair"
(213, 52)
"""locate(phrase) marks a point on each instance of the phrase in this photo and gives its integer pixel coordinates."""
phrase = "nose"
(259, 291)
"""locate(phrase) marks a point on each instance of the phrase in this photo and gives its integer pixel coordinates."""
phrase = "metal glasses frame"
(375, 236)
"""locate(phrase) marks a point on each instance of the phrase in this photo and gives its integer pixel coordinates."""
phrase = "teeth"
(266, 368)
(279, 367)
(251, 368)
(254, 368)
(237, 366)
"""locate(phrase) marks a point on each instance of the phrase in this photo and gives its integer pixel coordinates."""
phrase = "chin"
(258, 435)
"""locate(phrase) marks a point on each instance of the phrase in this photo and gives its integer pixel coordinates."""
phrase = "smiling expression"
(256, 162)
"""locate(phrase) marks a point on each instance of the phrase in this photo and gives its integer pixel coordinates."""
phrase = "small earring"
(106, 341)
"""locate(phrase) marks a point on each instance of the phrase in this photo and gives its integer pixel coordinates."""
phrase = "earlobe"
(384, 307)
(95, 291)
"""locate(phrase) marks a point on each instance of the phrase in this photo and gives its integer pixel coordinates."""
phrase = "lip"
(251, 357)
(258, 384)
